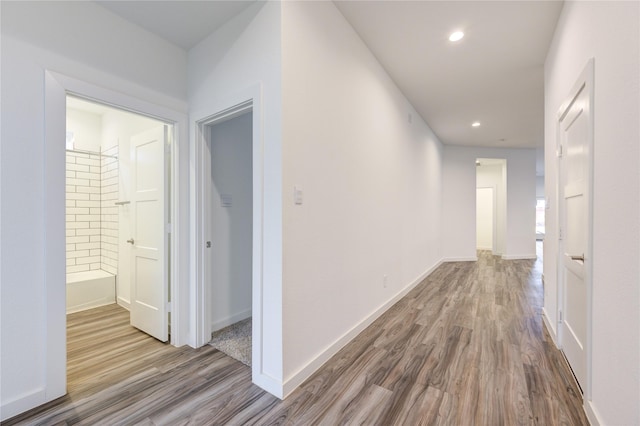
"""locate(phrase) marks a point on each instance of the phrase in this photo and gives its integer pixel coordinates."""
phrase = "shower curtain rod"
(82, 151)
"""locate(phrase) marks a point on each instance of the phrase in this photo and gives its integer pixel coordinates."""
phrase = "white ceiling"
(183, 23)
(493, 75)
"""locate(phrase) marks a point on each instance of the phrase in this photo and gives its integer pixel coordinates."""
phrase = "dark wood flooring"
(465, 347)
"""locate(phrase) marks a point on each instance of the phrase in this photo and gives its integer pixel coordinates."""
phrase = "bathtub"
(90, 289)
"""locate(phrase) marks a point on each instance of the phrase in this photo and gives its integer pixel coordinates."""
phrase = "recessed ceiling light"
(456, 36)
(475, 124)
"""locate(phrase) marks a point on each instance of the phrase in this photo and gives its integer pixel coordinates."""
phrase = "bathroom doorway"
(117, 207)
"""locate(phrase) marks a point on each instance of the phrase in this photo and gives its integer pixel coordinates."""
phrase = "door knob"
(577, 257)
(130, 241)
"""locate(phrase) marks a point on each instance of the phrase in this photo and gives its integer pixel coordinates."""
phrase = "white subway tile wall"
(109, 211)
(91, 213)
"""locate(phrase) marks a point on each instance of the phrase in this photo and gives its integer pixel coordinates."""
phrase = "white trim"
(55, 280)
(592, 414)
(247, 100)
(22, 403)
(297, 378)
(550, 329)
(268, 383)
(519, 256)
(124, 303)
(57, 86)
(459, 259)
(232, 319)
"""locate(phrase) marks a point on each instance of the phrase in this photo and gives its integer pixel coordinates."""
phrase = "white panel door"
(574, 133)
(484, 218)
(149, 285)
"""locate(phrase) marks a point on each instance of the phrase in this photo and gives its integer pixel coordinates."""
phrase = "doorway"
(57, 86)
(491, 204)
(117, 207)
(265, 308)
(229, 186)
(116, 211)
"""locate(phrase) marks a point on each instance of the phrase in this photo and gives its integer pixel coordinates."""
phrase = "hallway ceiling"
(494, 75)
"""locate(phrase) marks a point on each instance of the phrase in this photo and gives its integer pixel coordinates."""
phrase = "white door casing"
(575, 145)
(149, 286)
(53, 360)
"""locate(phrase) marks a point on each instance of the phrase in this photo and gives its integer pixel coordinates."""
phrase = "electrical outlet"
(385, 281)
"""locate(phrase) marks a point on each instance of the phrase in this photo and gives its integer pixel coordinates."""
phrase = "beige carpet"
(235, 341)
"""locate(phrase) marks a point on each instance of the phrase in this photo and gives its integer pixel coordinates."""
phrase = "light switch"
(297, 195)
(226, 200)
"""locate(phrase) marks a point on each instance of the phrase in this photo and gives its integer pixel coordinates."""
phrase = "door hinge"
(168, 306)
(560, 151)
(168, 228)
(560, 235)
(560, 317)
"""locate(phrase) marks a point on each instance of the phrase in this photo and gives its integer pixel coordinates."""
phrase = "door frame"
(584, 82)
(249, 100)
(57, 86)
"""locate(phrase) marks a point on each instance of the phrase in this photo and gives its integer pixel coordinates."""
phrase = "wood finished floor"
(465, 347)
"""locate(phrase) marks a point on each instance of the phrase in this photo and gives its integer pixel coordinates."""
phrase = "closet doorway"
(229, 246)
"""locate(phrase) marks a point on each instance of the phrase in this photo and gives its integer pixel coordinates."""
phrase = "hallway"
(466, 346)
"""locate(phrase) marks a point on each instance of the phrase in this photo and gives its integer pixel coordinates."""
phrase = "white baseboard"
(552, 330)
(124, 303)
(592, 414)
(22, 403)
(519, 256)
(460, 259)
(297, 378)
(224, 322)
(268, 383)
(89, 305)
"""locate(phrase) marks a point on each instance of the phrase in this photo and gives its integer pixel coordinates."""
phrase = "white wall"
(458, 202)
(231, 152)
(370, 181)
(608, 32)
(99, 48)
(86, 128)
(100, 39)
(242, 55)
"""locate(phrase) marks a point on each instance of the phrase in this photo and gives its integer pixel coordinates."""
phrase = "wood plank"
(466, 346)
